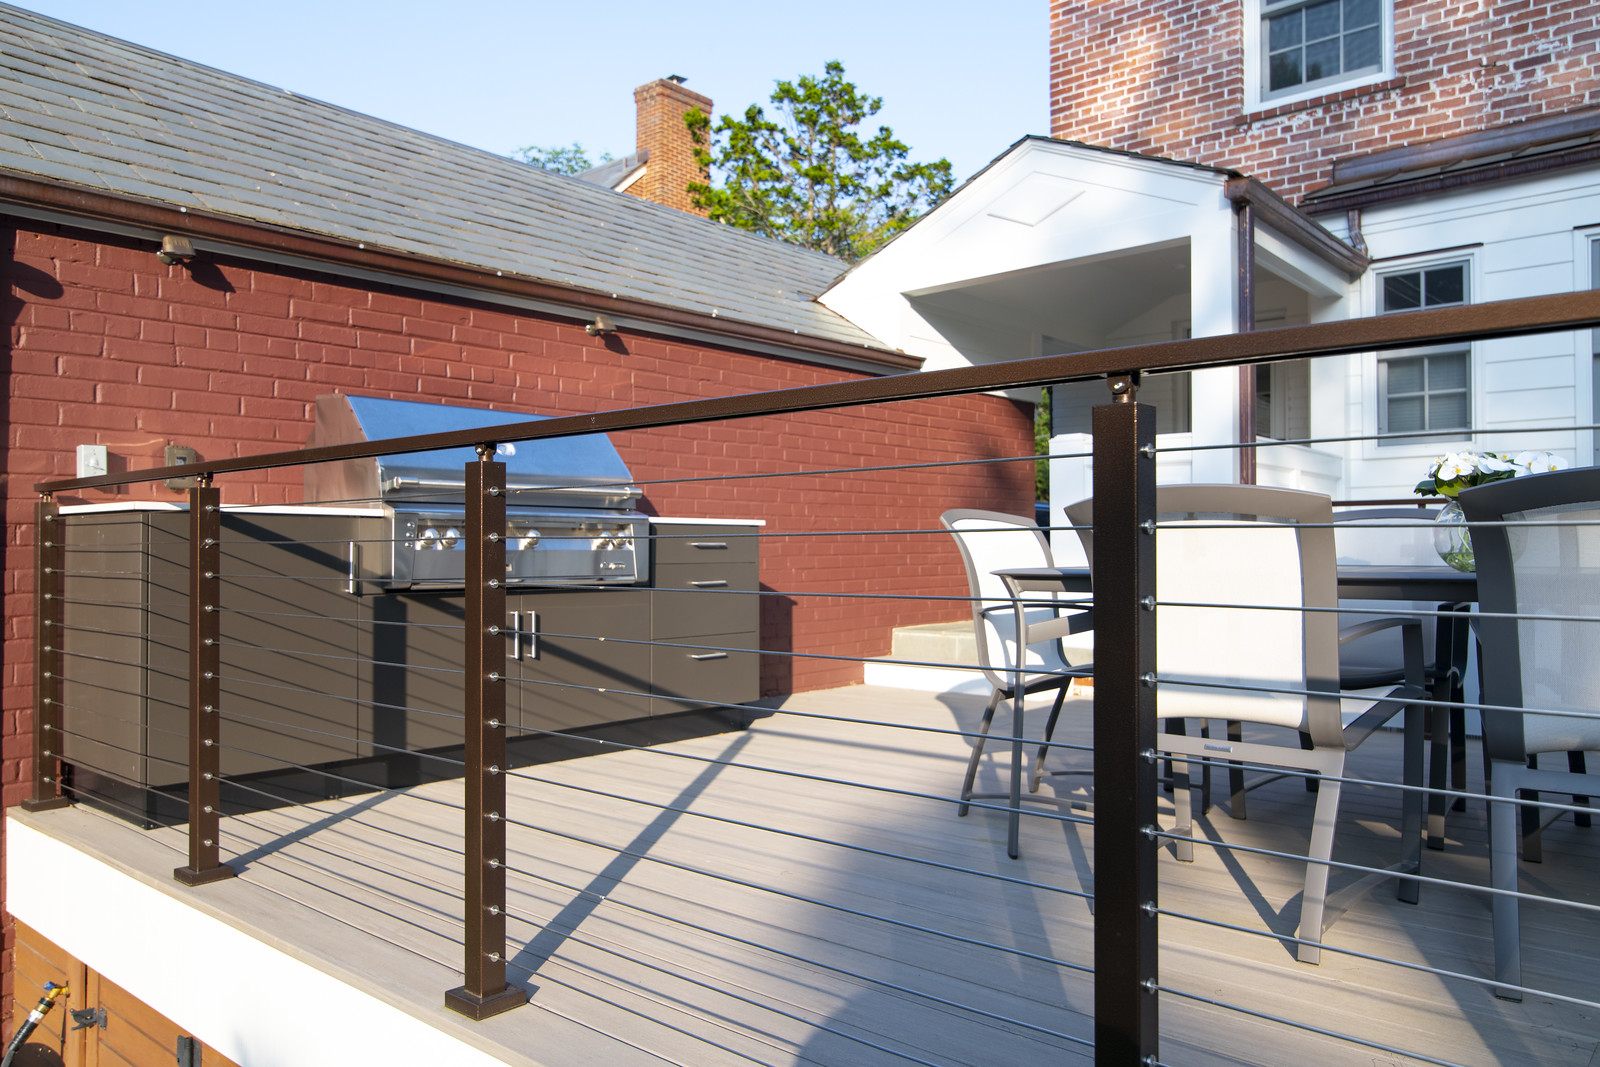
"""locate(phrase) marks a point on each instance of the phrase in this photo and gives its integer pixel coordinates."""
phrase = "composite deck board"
(653, 935)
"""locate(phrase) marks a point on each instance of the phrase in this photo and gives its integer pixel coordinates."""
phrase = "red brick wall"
(1166, 77)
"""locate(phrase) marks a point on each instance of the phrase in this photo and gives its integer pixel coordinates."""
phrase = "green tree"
(806, 176)
(1041, 447)
(561, 160)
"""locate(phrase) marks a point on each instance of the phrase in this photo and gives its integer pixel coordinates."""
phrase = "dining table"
(1453, 591)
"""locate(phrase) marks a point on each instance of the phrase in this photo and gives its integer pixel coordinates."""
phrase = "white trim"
(1256, 98)
(265, 1008)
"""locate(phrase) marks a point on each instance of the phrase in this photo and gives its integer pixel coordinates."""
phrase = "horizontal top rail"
(1506, 318)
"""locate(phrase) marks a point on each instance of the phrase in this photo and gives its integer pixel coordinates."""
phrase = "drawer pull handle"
(710, 583)
(710, 655)
(708, 544)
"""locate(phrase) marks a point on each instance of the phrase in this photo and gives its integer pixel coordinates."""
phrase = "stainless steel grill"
(571, 506)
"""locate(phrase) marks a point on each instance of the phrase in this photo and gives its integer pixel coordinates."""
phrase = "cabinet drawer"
(704, 544)
(726, 671)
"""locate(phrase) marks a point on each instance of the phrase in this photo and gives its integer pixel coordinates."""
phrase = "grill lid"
(583, 471)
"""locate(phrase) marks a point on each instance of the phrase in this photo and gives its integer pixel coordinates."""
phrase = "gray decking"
(635, 958)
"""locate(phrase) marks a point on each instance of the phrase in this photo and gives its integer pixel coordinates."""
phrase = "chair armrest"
(1061, 626)
(1410, 641)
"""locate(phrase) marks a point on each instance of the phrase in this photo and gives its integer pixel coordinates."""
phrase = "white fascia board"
(1043, 203)
(251, 1002)
(1294, 263)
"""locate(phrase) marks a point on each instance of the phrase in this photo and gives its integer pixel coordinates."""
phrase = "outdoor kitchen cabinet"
(705, 615)
(287, 641)
(324, 674)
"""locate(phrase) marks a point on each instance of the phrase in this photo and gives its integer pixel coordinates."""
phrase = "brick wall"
(108, 346)
(1166, 77)
(660, 107)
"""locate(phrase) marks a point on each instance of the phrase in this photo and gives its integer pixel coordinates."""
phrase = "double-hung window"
(1430, 390)
(1305, 47)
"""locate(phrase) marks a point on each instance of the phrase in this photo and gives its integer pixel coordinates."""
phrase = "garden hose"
(40, 1010)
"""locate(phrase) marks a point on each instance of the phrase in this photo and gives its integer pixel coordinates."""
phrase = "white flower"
(1453, 465)
(1490, 462)
(1540, 462)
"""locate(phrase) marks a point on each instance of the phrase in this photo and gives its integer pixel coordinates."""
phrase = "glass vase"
(1451, 538)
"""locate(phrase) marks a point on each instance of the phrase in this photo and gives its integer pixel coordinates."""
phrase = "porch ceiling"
(1063, 307)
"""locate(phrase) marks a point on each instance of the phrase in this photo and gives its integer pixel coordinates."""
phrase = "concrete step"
(936, 642)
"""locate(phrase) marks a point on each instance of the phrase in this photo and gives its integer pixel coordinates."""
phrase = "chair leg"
(1532, 838)
(1503, 876)
(1049, 732)
(1183, 809)
(1439, 748)
(1578, 765)
(1409, 890)
(1316, 892)
(1235, 773)
(977, 751)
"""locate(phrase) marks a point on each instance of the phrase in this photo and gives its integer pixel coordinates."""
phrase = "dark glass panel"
(1405, 415)
(1285, 70)
(1362, 49)
(1401, 292)
(1322, 20)
(1405, 376)
(1445, 285)
(1322, 60)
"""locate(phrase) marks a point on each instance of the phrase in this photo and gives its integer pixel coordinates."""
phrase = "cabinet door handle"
(708, 544)
(710, 583)
(710, 655)
(516, 635)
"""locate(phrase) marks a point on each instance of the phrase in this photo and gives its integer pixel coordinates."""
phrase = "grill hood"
(582, 472)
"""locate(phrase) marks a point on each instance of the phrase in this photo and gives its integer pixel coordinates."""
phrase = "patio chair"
(1234, 567)
(1057, 642)
(1538, 587)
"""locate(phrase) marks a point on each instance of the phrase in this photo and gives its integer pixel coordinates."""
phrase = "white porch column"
(1213, 311)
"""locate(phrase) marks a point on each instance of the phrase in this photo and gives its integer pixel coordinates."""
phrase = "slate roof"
(90, 110)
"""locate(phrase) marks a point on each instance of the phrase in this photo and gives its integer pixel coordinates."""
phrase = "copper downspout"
(1245, 219)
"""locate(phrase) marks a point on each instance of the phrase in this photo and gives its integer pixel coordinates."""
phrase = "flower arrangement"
(1455, 471)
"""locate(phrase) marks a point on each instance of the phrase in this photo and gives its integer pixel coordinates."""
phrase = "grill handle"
(710, 583)
(710, 655)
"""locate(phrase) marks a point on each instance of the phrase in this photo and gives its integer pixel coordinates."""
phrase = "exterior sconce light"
(175, 249)
(601, 324)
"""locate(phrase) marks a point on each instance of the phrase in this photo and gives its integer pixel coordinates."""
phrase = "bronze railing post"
(205, 686)
(49, 587)
(484, 991)
(1126, 1025)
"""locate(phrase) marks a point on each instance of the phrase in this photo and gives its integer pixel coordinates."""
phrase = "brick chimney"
(671, 167)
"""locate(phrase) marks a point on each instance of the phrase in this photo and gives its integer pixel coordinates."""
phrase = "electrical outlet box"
(92, 461)
(176, 456)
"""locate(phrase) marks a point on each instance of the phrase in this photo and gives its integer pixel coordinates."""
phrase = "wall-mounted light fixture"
(175, 249)
(601, 324)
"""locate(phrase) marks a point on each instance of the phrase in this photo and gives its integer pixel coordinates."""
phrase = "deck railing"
(1128, 987)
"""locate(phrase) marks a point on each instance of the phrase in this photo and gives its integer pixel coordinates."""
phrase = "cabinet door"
(583, 657)
(103, 644)
(289, 642)
(415, 686)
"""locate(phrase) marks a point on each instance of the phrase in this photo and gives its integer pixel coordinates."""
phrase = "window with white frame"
(1431, 390)
(1301, 48)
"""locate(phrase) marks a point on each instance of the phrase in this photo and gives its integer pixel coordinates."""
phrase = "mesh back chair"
(1056, 643)
(1269, 663)
(1539, 589)
(1403, 537)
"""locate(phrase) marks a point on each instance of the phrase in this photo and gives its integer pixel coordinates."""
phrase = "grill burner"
(570, 517)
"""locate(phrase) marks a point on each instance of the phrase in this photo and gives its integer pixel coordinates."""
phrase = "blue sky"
(958, 80)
